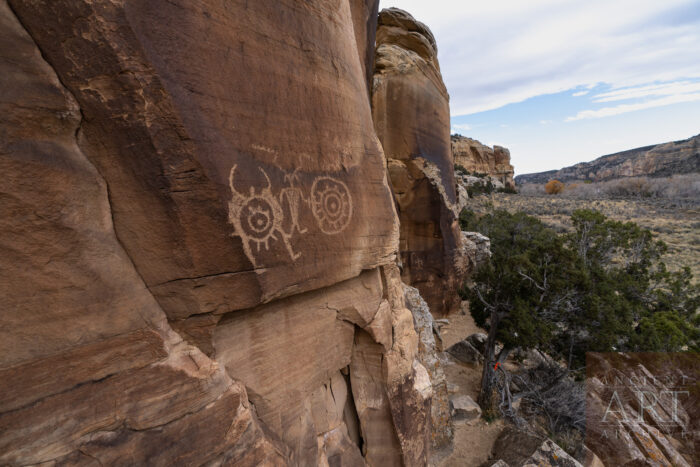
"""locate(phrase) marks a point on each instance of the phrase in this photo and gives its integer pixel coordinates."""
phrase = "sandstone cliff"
(410, 106)
(199, 240)
(477, 157)
(661, 160)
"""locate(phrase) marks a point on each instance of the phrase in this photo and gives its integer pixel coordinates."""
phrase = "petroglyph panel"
(259, 217)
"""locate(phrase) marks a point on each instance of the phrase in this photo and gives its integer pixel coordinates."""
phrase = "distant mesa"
(661, 160)
(477, 157)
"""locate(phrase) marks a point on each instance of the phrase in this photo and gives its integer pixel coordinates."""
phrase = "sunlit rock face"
(477, 157)
(410, 107)
(199, 239)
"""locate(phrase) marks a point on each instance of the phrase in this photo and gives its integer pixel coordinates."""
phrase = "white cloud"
(505, 51)
(637, 92)
(624, 108)
(580, 93)
(461, 127)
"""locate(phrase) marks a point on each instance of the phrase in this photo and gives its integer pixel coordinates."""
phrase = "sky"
(566, 81)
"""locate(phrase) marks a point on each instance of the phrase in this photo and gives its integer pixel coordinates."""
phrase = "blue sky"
(566, 81)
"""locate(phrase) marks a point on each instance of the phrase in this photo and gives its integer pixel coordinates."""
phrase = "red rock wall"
(199, 239)
(477, 157)
(411, 112)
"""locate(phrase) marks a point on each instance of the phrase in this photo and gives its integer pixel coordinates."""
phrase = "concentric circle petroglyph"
(331, 204)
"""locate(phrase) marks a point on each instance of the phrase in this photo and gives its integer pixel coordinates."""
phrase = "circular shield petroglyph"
(331, 204)
(257, 218)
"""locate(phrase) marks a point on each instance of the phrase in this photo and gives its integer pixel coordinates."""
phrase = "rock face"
(477, 248)
(477, 157)
(661, 160)
(442, 432)
(410, 107)
(199, 239)
(641, 406)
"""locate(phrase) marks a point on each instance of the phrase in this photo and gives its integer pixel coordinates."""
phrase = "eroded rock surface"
(477, 249)
(90, 370)
(429, 355)
(410, 107)
(199, 239)
(477, 157)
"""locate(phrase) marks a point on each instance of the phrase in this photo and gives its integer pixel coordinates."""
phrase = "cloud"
(506, 51)
(580, 93)
(460, 127)
(624, 108)
(637, 92)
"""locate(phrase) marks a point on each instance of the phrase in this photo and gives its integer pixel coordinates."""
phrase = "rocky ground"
(473, 441)
(678, 226)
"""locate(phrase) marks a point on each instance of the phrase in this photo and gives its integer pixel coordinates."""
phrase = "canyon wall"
(661, 160)
(410, 106)
(477, 157)
(199, 240)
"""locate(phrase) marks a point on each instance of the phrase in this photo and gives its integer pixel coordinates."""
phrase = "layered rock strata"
(199, 239)
(410, 107)
(477, 157)
(660, 160)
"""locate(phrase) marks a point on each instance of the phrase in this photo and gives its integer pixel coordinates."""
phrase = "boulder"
(514, 446)
(477, 249)
(464, 409)
(549, 454)
(410, 108)
(465, 352)
(478, 341)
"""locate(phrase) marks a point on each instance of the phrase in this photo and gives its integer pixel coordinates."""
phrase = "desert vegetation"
(602, 286)
(675, 221)
(682, 189)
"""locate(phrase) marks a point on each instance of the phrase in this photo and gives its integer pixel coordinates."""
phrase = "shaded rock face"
(410, 107)
(477, 157)
(199, 239)
(442, 430)
(661, 160)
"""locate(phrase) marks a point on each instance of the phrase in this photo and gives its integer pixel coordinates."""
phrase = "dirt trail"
(472, 443)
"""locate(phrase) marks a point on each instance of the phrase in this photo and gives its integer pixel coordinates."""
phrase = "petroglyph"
(259, 218)
(331, 204)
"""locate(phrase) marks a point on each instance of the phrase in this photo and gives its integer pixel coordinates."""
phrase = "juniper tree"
(602, 287)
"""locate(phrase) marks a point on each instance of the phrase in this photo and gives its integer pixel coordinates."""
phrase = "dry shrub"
(531, 189)
(683, 189)
(554, 187)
